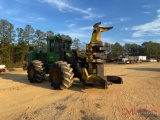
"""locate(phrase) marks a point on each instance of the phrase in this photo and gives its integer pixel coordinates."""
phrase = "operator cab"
(66, 42)
(56, 43)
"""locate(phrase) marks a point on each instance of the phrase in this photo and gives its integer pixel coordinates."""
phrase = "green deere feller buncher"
(63, 64)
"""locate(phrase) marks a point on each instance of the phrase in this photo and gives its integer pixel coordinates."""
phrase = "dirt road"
(137, 99)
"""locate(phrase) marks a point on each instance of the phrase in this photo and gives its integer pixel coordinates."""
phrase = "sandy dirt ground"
(137, 99)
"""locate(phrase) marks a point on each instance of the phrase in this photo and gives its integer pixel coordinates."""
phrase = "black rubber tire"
(65, 75)
(36, 72)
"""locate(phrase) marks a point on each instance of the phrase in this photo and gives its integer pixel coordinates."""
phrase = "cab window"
(57, 45)
(66, 46)
(51, 46)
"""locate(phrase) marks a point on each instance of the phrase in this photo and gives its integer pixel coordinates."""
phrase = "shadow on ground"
(13, 69)
(22, 78)
(146, 69)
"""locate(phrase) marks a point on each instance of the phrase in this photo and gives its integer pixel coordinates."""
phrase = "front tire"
(36, 71)
(61, 75)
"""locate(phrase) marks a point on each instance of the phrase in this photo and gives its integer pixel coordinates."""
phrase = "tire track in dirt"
(70, 107)
(51, 108)
(17, 87)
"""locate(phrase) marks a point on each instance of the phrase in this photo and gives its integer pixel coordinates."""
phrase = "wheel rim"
(31, 72)
(56, 75)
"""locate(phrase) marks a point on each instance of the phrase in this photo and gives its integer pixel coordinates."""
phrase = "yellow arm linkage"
(96, 34)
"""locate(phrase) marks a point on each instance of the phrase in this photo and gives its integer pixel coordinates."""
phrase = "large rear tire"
(36, 71)
(61, 75)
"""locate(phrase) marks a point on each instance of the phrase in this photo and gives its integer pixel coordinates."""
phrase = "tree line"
(149, 49)
(16, 42)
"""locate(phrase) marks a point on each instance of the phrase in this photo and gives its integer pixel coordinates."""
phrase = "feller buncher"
(63, 64)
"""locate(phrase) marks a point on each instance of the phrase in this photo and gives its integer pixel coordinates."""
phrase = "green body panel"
(31, 56)
(52, 53)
